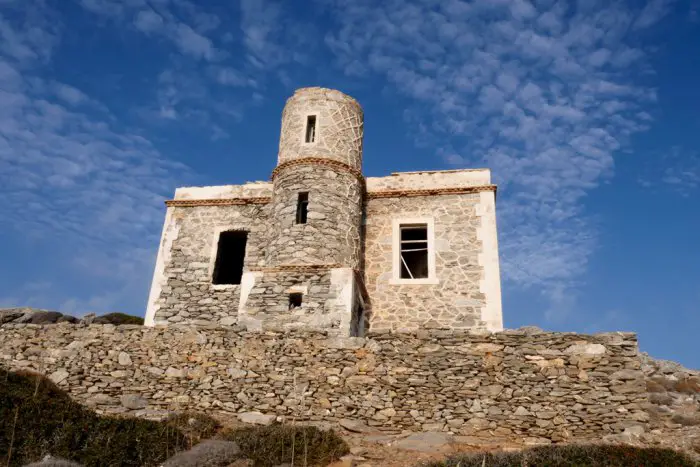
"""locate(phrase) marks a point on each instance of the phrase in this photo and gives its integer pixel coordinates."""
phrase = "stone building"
(322, 246)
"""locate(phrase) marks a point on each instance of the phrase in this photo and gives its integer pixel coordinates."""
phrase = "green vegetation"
(38, 418)
(278, 444)
(118, 318)
(572, 455)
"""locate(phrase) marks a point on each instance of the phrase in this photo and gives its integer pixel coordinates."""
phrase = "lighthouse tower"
(317, 184)
(314, 239)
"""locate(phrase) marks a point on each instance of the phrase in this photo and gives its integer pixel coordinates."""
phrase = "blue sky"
(586, 112)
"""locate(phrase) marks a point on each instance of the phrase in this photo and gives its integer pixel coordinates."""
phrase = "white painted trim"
(490, 284)
(343, 283)
(396, 279)
(248, 281)
(318, 127)
(171, 230)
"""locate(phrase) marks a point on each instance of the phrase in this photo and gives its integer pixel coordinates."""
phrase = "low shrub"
(572, 455)
(38, 418)
(118, 318)
(195, 426)
(276, 444)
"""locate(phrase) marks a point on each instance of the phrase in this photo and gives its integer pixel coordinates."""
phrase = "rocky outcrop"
(33, 316)
(27, 315)
(674, 392)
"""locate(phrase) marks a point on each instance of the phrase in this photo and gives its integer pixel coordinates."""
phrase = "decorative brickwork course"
(430, 192)
(550, 386)
(185, 203)
(329, 163)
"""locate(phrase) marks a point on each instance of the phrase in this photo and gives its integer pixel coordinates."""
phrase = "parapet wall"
(512, 383)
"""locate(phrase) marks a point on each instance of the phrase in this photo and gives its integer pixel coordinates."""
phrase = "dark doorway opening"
(230, 254)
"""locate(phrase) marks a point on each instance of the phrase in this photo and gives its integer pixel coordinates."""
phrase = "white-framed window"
(310, 135)
(413, 246)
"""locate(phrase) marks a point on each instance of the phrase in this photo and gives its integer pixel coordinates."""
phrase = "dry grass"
(572, 455)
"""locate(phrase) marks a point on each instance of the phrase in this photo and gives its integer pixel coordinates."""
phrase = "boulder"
(67, 319)
(256, 418)
(133, 401)
(426, 442)
(354, 426)
(8, 315)
(211, 452)
(45, 317)
(50, 461)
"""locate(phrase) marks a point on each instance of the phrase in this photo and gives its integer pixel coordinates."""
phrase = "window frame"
(396, 278)
(304, 127)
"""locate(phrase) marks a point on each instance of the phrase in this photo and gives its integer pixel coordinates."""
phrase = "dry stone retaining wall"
(513, 383)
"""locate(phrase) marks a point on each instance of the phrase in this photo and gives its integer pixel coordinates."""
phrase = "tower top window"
(310, 129)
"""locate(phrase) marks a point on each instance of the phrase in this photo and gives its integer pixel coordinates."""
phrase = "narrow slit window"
(311, 128)
(302, 208)
(230, 253)
(414, 251)
(295, 300)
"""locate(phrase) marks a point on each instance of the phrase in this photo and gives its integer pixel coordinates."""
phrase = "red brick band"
(295, 268)
(430, 192)
(187, 203)
(330, 163)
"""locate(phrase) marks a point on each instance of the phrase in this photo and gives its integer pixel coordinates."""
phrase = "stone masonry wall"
(332, 232)
(512, 383)
(189, 295)
(456, 301)
(339, 127)
(268, 301)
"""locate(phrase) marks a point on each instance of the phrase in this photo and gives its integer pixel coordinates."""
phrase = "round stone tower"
(318, 185)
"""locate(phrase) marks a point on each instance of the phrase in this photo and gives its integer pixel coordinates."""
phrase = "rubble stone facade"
(325, 247)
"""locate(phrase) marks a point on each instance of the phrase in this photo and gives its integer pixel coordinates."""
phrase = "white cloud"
(677, 169)
(653, 12)
(192, 43)
(73, 179)
(529, 91)
(148, 21)
(69, 94)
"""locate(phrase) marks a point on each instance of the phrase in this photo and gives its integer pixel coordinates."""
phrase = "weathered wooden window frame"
(396, 278)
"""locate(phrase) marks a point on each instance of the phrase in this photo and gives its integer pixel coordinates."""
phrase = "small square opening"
(295, 300)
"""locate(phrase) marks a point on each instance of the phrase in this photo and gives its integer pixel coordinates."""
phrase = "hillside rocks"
(674, 392)
(33, 316)
(508, 384)
(27, 315)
